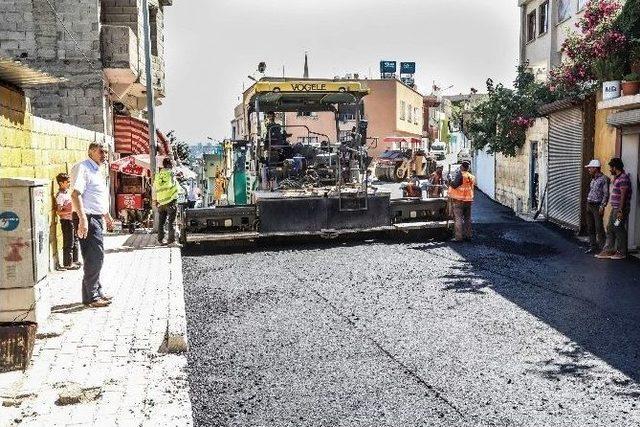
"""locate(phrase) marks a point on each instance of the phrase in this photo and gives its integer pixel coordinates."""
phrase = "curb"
(176, 336)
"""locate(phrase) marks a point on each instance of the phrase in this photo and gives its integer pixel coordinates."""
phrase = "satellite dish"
(262, 67)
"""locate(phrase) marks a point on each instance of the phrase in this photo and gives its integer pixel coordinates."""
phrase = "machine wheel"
(399, 173)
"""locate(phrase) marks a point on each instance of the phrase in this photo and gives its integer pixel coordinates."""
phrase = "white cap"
(593, 164)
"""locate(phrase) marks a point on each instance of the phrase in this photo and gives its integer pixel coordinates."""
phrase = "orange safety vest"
(465, 191)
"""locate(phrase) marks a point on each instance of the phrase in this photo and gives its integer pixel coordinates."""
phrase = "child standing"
(64, 210)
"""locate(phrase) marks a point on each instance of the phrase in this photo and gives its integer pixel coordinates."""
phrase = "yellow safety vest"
(464, 192)
(166, 187)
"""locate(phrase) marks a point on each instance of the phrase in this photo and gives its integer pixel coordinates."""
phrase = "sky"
(211, 46)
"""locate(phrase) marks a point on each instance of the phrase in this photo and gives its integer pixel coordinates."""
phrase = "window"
(403, 110)
(307, 114)
(543, 18)
(345, 117)
(345, 135)
(415, 115)
(564, 11)
(409, 111)
(308, 140)
(581, 4)
(531, 26)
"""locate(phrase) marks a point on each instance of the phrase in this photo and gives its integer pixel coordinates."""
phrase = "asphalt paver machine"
(318, 186)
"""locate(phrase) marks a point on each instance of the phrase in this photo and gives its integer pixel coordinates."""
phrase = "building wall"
(321, 122)
(543, 53)
(382, 110)
(30, 31)
(32, 147)
(413, 100)
(605, 140)
(484, 169)
(513, 175)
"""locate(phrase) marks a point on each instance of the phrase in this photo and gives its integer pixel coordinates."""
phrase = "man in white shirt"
(192, 194)
(91, 202)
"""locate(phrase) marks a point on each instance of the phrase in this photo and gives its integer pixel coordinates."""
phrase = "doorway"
(631, 157)
(534, 176)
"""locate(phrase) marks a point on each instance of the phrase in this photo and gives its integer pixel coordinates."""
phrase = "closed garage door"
(565, 167)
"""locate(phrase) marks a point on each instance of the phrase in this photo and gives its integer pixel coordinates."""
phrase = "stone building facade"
(96, 45)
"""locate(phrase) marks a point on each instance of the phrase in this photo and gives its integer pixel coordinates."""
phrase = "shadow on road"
(594, 303)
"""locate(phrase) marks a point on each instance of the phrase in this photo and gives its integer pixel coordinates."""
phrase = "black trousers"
(69, 242)
(167, 214)
(92, 248)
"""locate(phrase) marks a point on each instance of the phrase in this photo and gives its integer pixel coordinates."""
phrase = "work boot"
(98, 303)
(618, 255)
(605, 255)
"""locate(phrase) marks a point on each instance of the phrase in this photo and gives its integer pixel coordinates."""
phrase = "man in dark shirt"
(596, 203)
(616, 247)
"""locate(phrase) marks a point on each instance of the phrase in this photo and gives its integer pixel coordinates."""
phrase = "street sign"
(407, 68)
(388, 67)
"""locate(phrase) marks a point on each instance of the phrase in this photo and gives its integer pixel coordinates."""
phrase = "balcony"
(120, 60)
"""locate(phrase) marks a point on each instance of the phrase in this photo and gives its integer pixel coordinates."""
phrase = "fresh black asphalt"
(517, 328)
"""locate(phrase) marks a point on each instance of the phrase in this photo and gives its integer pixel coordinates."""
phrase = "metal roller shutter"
(565, 167)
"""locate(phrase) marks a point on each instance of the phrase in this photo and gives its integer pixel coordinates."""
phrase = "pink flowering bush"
(593, 52)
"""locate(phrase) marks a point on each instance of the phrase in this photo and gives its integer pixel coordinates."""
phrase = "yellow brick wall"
(32, 147)
(605, 141)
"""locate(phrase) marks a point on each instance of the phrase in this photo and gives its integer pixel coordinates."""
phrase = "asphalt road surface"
(517, 328)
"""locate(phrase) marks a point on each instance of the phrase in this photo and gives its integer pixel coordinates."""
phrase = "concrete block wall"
(129, 13)
(31, 31)
(33, 147)
(119, 48)
(513, 180)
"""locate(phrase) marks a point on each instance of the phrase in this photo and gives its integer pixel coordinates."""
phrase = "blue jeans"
(92, 248)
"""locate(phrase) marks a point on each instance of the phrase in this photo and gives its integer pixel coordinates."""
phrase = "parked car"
(439, 150)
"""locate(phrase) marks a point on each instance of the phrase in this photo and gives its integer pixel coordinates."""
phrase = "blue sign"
(407, 68)
(388, 67)
(9, 221)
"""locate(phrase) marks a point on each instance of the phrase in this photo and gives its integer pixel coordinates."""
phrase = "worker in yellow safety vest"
(461, 198)
(166, 196)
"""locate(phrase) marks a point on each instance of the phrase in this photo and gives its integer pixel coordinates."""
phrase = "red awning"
(131, 135)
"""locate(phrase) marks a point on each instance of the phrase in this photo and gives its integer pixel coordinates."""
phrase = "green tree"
(180, 148)
(499, 122)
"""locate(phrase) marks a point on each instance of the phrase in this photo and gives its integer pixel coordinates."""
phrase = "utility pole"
(150, 105)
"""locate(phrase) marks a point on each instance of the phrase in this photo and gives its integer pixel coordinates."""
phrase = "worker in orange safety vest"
(461, 198)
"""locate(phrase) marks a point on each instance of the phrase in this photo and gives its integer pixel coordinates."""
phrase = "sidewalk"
(105, 368)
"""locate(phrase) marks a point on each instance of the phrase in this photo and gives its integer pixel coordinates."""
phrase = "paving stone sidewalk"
(105, 368)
